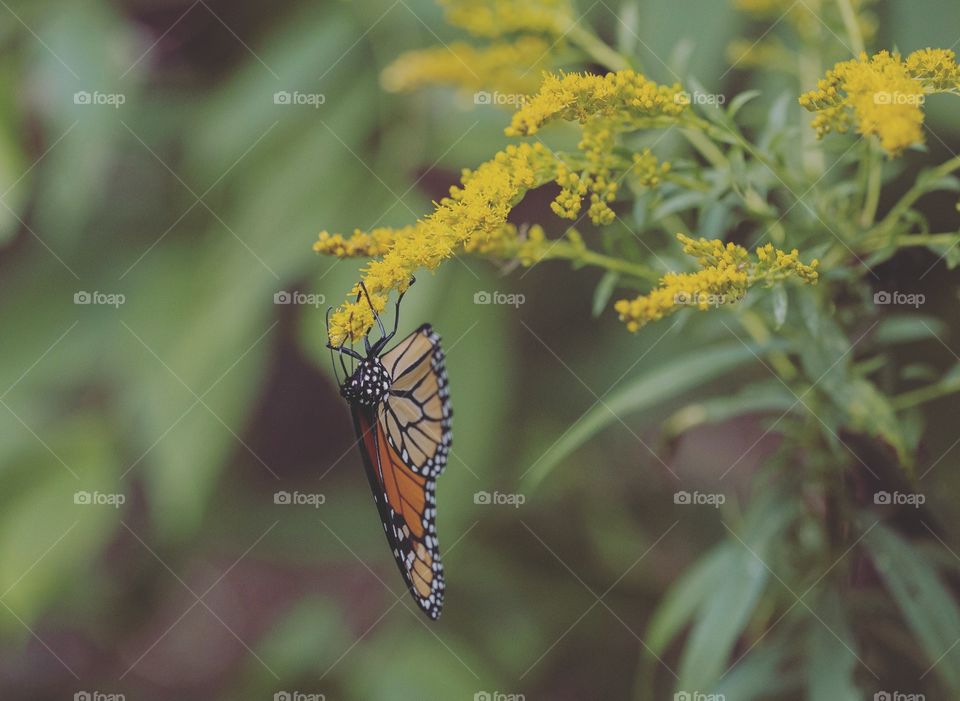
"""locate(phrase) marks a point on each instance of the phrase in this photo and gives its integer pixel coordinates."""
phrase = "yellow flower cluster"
(882, 95)
(626, 96)
(495, 18)
(595, 178)
(513, 67)
(647, 168)
(475, 210)
(936, 69)
(727, 272)
(506, 242)
(370, 244)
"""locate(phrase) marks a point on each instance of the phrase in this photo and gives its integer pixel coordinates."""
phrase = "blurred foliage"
(198, 397)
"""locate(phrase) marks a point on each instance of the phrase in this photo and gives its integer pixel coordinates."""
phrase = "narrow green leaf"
(658, 385)
(737, 103)
(780, 303)
(605, 288)
(832, 653)
(925, 602)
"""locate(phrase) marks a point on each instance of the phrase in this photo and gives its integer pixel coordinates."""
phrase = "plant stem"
(597, 49)
(872, 186)
(914, 240)
(852, 26)
(565, 250)
(919, 189)
(922, 395)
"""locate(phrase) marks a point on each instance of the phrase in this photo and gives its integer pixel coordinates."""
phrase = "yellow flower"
(494, 18)
(727, 272)
(625, 96)
(474, 211)
(375, 243)
(647, 168)
(882, 95)
(513, 67)
(936, 69)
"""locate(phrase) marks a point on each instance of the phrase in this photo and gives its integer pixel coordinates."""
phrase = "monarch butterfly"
(401, 415)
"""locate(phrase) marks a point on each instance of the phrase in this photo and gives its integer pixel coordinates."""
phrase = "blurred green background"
(198, 398)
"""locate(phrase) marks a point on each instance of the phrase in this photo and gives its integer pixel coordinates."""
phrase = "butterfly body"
(368, 384)
(402, 417)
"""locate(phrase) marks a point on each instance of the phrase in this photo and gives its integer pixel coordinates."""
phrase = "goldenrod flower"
(647, 168)
(625, 96)
(367, 244)
(727, 272)
(936, 69)
(513, 67)
(494, 18)
(475, 210)
(882, 95)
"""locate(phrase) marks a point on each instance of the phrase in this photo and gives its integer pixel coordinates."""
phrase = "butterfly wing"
(404, 442)
(416, 412)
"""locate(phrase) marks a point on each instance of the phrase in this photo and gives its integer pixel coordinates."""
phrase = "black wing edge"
(380, 498)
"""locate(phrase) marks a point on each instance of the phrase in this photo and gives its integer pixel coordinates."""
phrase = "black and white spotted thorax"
(368, 385)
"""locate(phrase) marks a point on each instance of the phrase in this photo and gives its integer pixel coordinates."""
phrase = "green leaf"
(628, 27)
(868, 410)
(658, 385)
(832, 653)
(740, 100)
(762, 397)
(780, 303)
(906, 328)
(686, 596)
(735, 595)
(763, 673)
(605, 288)
(926, 604)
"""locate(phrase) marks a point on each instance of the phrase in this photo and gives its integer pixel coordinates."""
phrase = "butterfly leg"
(385, 339)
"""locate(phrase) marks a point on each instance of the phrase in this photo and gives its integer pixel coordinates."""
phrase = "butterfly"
(402, 417)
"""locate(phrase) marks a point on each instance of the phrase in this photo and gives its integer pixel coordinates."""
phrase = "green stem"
(872, 187)
(564, 250)
(597, 49)
(852, 26)
(919, 189)
(913, 240)
(922, 395)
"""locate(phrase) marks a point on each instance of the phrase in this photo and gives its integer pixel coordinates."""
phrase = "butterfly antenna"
(383, 331)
